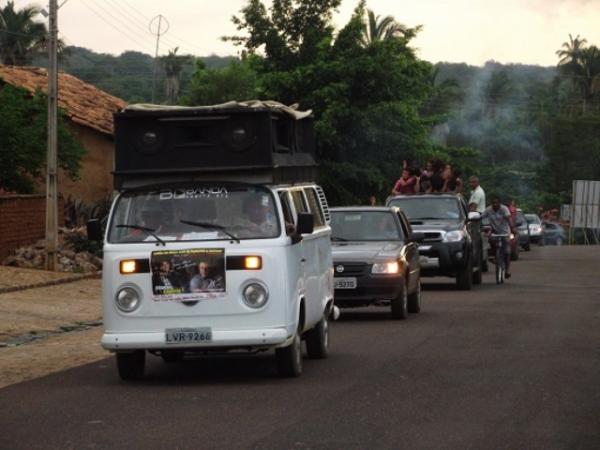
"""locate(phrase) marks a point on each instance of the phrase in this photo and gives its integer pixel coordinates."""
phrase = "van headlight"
(127, 299)
(255, 295)
(390, 267)
(454, 236)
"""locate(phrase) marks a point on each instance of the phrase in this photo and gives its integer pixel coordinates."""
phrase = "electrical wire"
(116, 28)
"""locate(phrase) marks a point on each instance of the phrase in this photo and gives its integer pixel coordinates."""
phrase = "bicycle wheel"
(499, 265)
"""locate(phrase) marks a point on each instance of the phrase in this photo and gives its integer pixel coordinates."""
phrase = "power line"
(141, 22)
(116, 28)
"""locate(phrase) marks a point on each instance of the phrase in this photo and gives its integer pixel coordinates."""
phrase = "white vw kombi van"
(217, 240)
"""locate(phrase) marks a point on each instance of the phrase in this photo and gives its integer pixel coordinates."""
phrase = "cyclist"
(500, 221)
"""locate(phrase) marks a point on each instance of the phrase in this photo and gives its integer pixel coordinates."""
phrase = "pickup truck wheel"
(317, 340)
(131, 365)
(289, 359)
(414, 300)
(400, 305)
(464, 279)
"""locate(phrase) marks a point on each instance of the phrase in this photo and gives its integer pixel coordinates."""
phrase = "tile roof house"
(90, 113)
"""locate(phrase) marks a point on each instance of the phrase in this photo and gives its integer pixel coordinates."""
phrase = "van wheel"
(317, 340)
(289, 359)
(464, 279)
(131, 365)
(414, 300)
(400, 305)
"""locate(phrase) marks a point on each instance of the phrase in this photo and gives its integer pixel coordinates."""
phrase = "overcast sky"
(472, 31)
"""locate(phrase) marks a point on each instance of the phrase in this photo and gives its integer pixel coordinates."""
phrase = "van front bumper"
(270, 337)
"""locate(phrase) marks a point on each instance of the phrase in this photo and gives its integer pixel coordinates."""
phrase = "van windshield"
(198, 213)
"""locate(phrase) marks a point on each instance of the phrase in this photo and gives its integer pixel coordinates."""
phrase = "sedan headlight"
(454, 236)
(127, 299)
(255, 295)
(390, 267)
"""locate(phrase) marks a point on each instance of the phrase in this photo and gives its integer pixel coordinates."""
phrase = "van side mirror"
(94, 230)
(306, 223)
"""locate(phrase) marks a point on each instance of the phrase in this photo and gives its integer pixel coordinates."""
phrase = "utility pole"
(52, 152)
(158, 33)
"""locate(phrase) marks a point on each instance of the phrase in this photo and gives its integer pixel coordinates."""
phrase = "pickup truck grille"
(432, 236)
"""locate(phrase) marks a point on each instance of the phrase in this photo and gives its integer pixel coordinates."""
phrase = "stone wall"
(23, 220)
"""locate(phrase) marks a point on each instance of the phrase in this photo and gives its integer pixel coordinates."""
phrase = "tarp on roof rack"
(227, 106)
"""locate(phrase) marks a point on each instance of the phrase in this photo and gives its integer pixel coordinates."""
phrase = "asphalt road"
(500, 367)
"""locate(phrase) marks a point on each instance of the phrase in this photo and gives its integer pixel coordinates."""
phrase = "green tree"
(379, 28)
(237, 81)
(23, 140)
(20, 36)
(290, 32)
(365, 99)
(581, 64)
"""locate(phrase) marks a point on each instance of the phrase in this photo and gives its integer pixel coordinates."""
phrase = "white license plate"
(188, 335)
(344, 283)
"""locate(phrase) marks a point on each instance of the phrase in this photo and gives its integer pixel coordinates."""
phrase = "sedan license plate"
(344, 283)
(188, 335)
(428, 262)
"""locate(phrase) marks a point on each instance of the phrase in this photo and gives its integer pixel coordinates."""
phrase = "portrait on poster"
(187, 275)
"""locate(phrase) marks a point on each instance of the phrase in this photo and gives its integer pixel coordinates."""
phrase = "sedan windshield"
(195, 213)
(364, 226)
(532, 218)
(428, 208)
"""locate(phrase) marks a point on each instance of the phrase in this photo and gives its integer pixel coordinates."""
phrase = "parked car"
(375, 259)
(523, 231)
(536, 229)
(554, 234)
(452, 244)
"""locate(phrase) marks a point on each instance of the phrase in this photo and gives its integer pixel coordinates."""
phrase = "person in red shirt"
(406, 184)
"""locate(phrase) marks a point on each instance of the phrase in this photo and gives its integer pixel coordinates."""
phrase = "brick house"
(89, 111)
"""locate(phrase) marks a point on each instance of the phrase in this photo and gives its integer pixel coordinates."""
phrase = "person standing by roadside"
(477, 199)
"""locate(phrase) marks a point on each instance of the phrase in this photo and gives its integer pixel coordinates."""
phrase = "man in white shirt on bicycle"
(500, 221)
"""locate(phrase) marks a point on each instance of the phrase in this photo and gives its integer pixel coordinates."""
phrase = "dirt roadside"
(47, 329)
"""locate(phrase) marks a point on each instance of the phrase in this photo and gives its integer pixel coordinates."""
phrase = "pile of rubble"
(69, 260)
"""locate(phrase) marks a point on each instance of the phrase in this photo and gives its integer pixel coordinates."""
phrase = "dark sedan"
(375, 259)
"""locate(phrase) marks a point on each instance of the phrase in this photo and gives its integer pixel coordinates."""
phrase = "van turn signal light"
(252, 263)
(128, 266)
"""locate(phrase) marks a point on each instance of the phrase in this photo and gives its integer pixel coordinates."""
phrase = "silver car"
(375, 259)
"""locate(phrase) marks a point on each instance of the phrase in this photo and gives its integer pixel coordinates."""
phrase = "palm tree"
(582, 64)
(20, 36)
(173, 64)
(570, 53)
(379, 28)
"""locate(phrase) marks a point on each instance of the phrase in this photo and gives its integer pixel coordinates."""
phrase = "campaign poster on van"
(187, 275)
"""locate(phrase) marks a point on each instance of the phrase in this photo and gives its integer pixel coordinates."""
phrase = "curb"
(69, 279)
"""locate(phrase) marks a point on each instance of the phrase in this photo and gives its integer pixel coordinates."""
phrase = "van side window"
(288, 217)
(315, 207)
(299, 202)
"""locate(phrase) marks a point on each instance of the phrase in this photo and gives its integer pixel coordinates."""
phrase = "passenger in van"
(258, 220)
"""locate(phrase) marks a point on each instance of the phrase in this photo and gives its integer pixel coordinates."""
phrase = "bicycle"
(499, 241)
